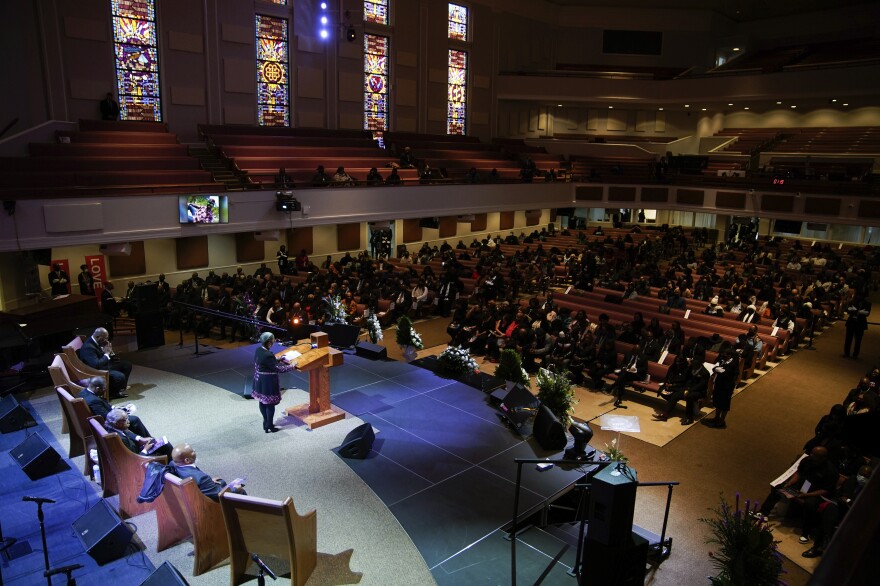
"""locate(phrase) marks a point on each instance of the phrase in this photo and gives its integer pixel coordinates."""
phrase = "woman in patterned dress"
(266, 389)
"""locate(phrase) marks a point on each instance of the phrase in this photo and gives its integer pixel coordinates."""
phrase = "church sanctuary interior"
(412, 292)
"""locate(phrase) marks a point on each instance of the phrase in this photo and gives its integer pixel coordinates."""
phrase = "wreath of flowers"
(456, 361)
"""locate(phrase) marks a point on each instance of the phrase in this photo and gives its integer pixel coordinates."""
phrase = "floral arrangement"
(557, 393)
(510, 368)
(336, 312)
(374, 328)
(747, 553)
(406, 335)
(455, 362)
(614, 453)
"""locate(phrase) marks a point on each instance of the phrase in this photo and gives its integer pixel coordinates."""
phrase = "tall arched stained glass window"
(456, 119)
(273, 102)
(458, 22)
(376, 11)
(375, 82)
(137, 59)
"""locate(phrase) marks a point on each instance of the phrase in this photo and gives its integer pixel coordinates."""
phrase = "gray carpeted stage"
(442, 464)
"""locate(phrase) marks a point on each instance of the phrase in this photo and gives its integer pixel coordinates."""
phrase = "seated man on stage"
(184, 466)
(118, 422)
(93, 396)
(97, 352)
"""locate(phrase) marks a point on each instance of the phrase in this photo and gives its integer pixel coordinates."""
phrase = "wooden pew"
(79, 369)
(269, 528)
(82, 440)
(122, 472)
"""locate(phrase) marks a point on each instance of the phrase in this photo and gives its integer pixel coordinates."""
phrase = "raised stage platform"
(442, 462)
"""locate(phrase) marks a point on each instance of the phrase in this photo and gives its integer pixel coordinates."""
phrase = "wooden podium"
(317, 362)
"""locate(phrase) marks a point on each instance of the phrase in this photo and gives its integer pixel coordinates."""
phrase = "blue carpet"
(74, 495)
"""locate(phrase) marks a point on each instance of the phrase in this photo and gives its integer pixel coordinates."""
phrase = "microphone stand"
(41, 518)
(71, 581)
(264, 569)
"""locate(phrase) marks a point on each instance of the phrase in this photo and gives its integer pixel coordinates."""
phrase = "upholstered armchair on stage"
(269, 528)
(122, 471)
(184, 512)
(77, 415)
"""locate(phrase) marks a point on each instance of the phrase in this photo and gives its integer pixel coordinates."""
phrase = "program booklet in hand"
(158, 444)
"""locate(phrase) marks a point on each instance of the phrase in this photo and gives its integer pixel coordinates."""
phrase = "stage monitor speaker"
(149, 329)
(102, 533)
(612, 505)
(36, 457)
(358, 442)
(165, 575)
(342, 335)
(147, 297)
(371, 351)
(13, 416)
(518, 405)
(614, 565)
(548, 430)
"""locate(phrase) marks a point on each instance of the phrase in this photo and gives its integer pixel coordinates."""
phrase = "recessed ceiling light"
(558, 105)
(736, 48)
(703, 109)
(833, 100)
(660, 109)
(610, 107)
(778, 103)
(730, 104)
(794, 106)
(846, 104)
(746, 108)
(687, 105)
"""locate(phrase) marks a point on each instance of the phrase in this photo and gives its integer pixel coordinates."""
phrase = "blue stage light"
(323, 20)
(323, 6)
(324, 34)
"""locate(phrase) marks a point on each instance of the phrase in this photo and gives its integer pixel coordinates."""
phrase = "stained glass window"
(376, 11)
(456, 117)
(458, 22)
(273, 105)
(279, 2)
(375, 82)
(137, 59)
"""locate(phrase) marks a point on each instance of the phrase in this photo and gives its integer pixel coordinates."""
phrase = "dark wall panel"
(505, 222)
(621, 193)
(869, 208)
(588, 193)
(248, 249)
(348, 236)
(690, 197)
(822, 205)
(777, 203)
(412, 232)
(730, 199)
(299, 239)
(655, 194)
(124, 266)
(448, 226)
(192, 252)
(480, 222)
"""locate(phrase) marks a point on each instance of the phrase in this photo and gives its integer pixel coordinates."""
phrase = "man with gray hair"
(117, 422)
(93, 395)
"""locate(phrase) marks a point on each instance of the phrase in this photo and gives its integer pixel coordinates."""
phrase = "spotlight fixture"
(350, 34)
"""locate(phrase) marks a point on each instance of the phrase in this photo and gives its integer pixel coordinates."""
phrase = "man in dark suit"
(117, 422)
(856, 324)
(184, 460)
(97, 352)
(58, 280)
(635, 367)
(93, 395)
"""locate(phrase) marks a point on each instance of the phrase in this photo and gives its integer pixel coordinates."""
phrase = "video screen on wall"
(203, 209)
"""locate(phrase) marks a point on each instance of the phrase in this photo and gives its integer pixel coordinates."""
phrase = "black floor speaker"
(36, 457)
(371, 351)
(150, 330)
(519, 405)
(13, 416)
(612, 505)
(548, 430)
(358, 442)
(614, 565)
(165, 575)
(102, 533)
(342, 335)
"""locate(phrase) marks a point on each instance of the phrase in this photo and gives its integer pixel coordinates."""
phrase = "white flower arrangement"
(407, 335)
(374, 328)
(336, 312)
(456, 361)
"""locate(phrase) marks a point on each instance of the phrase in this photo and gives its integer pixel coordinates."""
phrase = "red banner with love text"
(95, 266)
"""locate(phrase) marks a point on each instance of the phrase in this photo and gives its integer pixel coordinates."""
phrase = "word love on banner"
(95, 265)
